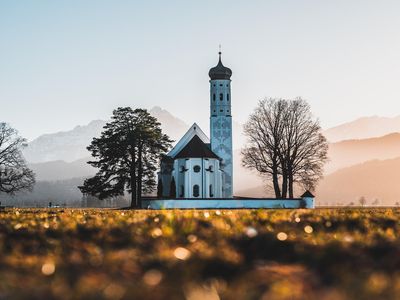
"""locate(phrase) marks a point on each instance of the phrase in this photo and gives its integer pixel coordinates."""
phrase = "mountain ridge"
(362, 128)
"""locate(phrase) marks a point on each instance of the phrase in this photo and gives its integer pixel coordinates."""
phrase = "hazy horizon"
(63, 64)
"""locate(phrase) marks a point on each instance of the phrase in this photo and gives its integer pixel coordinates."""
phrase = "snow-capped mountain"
(71, 145)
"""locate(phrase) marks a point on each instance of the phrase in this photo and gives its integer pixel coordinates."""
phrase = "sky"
(65, 63)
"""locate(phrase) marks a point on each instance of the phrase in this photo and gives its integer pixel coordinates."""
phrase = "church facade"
(200, 166)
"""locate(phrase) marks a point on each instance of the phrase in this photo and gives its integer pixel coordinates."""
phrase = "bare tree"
(285, 143)
(362, 201)
(304, 149)
(15, 176)
(375, 202)
(264, 131)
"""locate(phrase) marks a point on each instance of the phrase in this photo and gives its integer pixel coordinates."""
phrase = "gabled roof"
(307, 194)
(193, 130)
(196, 148)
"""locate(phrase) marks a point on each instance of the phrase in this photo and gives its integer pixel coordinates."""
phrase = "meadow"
(200, 254)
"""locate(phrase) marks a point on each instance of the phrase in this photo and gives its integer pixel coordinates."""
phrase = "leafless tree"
(264, 131)
(285, 143)
(14, 174)
(304, 150)
(362, 201)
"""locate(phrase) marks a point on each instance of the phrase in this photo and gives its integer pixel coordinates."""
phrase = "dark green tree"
(159, 189)
(127, 155)
(172, 189)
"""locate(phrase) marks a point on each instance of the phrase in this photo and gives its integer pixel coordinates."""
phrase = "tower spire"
(219, 52)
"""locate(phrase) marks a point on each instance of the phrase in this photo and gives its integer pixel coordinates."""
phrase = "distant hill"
(377, 179)
(351, 152)
(58, 192)
(67, 145)
(363, 128)
(71, 145)
(61, 170)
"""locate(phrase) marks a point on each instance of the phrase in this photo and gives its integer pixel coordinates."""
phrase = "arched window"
(213, 97)
(196, 169)
(221, 96)
(182, 193)
(211, 191)
(196, 190)
(227, 97)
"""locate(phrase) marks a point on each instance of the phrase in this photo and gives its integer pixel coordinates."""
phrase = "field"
(227, 254)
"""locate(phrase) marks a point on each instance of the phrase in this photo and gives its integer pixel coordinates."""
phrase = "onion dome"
(220, 71)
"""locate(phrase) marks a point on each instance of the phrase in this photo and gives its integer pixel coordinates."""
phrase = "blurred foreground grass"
(203, 254)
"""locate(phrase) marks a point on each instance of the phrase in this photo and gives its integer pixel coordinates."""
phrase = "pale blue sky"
(65, 63)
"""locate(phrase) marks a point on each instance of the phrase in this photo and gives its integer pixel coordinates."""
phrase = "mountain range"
(362, 156)
(69, 146)
(363, 128)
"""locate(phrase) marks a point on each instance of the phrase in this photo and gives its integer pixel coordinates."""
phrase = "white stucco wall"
(203, 179)
(227, 203)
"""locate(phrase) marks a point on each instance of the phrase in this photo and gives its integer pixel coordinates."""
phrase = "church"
(198, 172)
(200, 166)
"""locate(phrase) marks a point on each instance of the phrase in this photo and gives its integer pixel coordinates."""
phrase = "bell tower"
(221, 122)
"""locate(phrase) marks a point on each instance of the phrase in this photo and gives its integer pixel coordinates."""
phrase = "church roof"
(220, 71)
(196, 148)
(193, 130)
(307, 194)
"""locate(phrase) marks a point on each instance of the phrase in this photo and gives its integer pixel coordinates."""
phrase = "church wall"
(185, 175)
(228, 203)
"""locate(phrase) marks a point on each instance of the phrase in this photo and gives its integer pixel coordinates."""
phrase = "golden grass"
(199, 254)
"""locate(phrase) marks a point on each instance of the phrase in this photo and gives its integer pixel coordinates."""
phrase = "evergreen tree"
(159, 189)
(172, 189)
(127, 155)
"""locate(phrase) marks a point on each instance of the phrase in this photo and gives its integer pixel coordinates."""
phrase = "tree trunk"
(133, 182)
(290, 178)
(139, 178)
(276, 183)
(291, 185)
(284, 184)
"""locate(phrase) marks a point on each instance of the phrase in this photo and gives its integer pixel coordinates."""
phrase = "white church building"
(198, 171)
(200, 166)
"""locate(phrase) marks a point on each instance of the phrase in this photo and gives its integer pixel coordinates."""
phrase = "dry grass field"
(203, 254)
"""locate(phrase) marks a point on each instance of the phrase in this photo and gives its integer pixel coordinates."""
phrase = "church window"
(196, 190)
(211, 191)
(196, 169)
(213, 97)
(227, 97)
(220, 84)
(221, 96)
(182, 191)
(221, 110)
